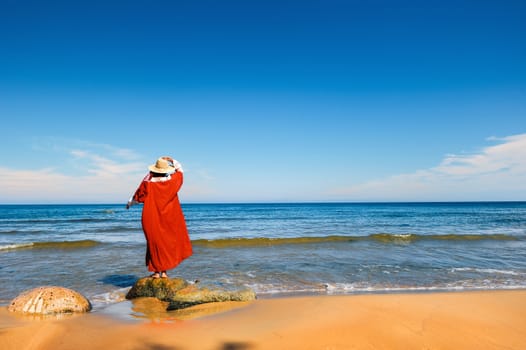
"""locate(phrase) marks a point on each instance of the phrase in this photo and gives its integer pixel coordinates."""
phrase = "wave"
(389, 238)
(377, 237)
(256, 242)
(94, 230)
(350, 288)
(58, 220)
(486, 271)
(270, 289)
(385, 238)
(86, 243)
(128, 229)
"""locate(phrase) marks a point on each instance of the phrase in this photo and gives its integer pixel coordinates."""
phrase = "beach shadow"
(120, 280)
(236, 346)
(157, 347)
(225, 346)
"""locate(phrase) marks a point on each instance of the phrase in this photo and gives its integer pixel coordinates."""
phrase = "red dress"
(163, 223)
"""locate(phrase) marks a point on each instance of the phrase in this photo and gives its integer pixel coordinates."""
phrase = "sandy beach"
(457, 320)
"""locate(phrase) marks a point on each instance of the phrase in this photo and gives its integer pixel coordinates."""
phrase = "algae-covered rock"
(181, 294)
(193, 295)
(50, 300)
(161, 288)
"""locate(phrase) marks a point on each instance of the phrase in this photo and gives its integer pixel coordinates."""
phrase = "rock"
(161, 288)
(192, 295)
(181, 295)
(50, 300)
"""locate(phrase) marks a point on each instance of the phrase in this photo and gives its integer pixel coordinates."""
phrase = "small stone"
(50, 300)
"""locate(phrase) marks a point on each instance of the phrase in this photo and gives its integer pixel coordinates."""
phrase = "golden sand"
(464, 320)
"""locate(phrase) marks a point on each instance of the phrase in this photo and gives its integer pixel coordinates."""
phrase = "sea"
(276, 249)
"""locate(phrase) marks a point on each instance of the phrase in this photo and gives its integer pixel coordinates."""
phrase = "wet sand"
(463, 320)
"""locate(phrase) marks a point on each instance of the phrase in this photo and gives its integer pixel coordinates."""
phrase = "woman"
(163, 223)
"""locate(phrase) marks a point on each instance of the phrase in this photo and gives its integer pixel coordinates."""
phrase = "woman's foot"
(164, 275)
(155, 275)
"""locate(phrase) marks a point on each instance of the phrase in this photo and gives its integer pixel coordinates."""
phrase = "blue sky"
(264, 100)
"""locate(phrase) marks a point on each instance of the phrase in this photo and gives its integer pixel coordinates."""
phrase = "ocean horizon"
(273, 248)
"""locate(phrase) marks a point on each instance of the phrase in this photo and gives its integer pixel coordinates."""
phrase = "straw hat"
(162, 166)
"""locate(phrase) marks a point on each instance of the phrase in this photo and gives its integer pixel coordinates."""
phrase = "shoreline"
(434, 320)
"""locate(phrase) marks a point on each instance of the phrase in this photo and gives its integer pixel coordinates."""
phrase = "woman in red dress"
(163, 223)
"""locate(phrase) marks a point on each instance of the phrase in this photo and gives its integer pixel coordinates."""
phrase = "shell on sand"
(50, 300)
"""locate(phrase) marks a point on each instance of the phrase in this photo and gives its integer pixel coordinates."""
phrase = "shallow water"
(272, 248)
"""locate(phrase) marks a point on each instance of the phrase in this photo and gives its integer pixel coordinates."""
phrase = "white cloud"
(509, 156)
(94, 173)
(497, 172)
(88, 173)
(104, 166)
(85, 176)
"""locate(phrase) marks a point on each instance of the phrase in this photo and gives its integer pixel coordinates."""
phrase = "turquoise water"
(328, 248)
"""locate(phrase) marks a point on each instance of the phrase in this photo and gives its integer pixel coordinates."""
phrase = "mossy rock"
(193, 295)
(161, 288)
(180, 294)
